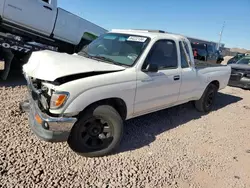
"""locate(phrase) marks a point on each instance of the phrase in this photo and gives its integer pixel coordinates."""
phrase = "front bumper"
(241, 82)
(51, 129)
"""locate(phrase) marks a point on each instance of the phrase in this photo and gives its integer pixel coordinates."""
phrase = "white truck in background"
(44, 22)
(121, 75)
(41, 21)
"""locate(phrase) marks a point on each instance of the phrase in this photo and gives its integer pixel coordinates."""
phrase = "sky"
(197, 18)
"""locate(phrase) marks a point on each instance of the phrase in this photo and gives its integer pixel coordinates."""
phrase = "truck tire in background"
(7, 56)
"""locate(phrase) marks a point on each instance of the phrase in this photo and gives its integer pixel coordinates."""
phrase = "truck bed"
(67, 22)
(203, 64)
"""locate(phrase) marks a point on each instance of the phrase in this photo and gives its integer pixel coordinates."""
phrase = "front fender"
(124, 91)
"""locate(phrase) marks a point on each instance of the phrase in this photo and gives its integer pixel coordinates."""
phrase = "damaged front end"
(240, 78)
(47, 126)
(40, 93)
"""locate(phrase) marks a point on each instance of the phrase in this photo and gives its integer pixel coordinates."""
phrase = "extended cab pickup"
(42, 21)
(120, 75)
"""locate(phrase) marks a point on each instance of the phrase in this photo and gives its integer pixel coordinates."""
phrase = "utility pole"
(221, 34)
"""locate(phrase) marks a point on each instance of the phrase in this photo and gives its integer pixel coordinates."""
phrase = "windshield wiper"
(108, 59)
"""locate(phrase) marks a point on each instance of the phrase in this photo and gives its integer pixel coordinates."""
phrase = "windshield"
(122, 49)
(244, 61)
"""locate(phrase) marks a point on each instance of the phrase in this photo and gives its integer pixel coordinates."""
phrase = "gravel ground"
(177, 147)
(226, 58)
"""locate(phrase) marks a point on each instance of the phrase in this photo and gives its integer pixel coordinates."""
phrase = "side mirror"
(152, 68)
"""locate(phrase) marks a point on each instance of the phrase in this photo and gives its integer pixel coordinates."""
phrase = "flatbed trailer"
(15, 47)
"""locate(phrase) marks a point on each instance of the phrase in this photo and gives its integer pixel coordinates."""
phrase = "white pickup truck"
(120, 75)
(43, 22)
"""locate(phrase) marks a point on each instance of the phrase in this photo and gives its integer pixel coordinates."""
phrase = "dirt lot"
(177, 147)
(226, 58)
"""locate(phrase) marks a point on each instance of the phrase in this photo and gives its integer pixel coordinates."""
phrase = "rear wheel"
(205, 103)
(97, 133)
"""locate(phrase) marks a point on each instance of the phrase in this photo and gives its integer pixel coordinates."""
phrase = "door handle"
(47, 7)
(177, 77)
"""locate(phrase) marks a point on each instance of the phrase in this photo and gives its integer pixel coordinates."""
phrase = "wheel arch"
(216, 83)
(117, 103)
(204, 89)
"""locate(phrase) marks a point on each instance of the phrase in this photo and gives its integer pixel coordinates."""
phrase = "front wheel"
(205, 103)
(97, 132)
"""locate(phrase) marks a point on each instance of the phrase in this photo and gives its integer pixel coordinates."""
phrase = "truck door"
(36, 15)
(156, 90)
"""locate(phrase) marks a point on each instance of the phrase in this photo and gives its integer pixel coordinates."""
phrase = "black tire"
(8, 57)
(97, 132)
(205, 103)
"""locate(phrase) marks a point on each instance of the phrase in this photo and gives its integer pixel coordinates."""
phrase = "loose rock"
(174, 147)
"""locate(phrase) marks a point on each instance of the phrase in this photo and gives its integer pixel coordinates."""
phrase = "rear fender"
(222, 77)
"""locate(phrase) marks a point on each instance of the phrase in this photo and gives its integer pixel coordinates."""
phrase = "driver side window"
(164, 54)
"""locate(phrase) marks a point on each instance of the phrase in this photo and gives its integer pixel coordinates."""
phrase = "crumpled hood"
(48, 65)
(240, 66)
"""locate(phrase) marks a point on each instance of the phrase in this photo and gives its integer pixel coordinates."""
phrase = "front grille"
(242, 71)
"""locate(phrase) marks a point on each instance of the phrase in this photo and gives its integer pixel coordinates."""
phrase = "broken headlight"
(58, 99)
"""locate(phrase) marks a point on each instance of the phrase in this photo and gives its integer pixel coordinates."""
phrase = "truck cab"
(37, 15)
